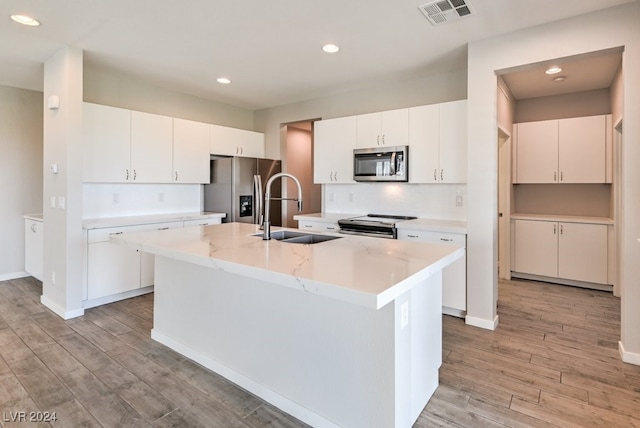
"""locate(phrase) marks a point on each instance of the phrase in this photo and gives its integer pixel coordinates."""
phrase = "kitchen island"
(346, 332)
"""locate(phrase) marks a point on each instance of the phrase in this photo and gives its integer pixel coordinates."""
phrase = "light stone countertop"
(366, 271)
(563, 218)
(99, 223)
(35, 217)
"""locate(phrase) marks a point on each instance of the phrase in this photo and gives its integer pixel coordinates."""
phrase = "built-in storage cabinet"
(318, 226)
(562, 151)
(114, 271)
(564, 250)
(151, 148)
(454, 276)
(33, 247)
(124, 146)
(387, 128)
(334, 141)
(106, 142)
(438, 143)
(190, 151)
(236, 142)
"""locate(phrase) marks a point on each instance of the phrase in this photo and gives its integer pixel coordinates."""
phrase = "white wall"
(20, 172)
(607, 29)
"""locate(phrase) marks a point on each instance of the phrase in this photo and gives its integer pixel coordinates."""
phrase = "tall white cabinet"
(190, 151)
(334, 141)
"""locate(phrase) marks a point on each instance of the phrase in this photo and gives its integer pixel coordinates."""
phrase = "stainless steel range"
(377, 225)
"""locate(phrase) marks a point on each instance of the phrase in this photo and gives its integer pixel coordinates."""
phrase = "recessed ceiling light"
(553, 70)
(331, 48)
(559, 79)
(223, 80)
(25, 20)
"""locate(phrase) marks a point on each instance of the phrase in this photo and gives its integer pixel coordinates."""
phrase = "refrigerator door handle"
(257, 190)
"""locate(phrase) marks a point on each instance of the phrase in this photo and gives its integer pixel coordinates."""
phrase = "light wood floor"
(553, 361)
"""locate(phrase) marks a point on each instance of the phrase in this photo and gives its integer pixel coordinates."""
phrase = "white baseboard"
(482, 323)
(59, 310)
(628, 357)
(116, 297)
(14, 275)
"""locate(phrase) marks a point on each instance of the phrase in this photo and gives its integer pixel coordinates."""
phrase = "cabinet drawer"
(202, 222)
(102, 235)
(433, 237)
(319, 226)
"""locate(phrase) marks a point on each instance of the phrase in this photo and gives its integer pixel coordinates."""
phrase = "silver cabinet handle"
(127, 175)
(163, 228)
(115, 233)
(561, 229)
(554, 229)
(176, 175)
(446, 239)
(331, 228)
(435, 174)
(561, 176)
(555, 176)
(134, 175)
(307, 225)
(442, 175)
(33, 228)
(412, 236)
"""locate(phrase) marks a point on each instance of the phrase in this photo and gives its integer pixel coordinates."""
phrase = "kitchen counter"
(346, 332)
(99, 223)
(34, 217)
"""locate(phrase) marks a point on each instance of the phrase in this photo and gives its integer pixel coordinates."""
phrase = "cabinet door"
(453, 142)
(236, 142)
(147, 261)
(454, 276)
(537, 160)
(111, 269)
(424, 144)
(106, 143)
(368, 132)
(190, 151)
(394, 127)
(333, 144)
(33, 248)
(151, 148)
(582, 252)
(582, 149)
(536, 247)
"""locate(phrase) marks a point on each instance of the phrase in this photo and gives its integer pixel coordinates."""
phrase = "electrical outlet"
(161, 197)
(404, 314)
(62, 202)
(458, 201)
(350, 197)
(116, 198)
(53, 202)
(53, 277)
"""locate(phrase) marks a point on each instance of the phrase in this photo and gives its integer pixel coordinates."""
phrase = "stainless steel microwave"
(385, 163)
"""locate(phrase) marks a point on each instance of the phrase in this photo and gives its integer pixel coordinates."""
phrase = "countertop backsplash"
(437, 201)
(118, 200)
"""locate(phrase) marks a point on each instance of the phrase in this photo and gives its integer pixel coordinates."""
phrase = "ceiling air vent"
(443, 11)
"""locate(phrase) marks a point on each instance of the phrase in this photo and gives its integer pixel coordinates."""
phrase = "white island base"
(325, 361)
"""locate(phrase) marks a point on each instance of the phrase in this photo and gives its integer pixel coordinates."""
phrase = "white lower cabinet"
(33, 247)
(113, 269)
(318, 226)
(564, 250)
(454, 276)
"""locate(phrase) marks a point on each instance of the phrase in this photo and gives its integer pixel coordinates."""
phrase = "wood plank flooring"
(553, 361)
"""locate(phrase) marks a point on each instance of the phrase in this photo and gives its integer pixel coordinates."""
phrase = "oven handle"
(370, 234)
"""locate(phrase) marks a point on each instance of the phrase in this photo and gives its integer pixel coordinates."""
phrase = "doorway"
(504, 203)
(298, 161)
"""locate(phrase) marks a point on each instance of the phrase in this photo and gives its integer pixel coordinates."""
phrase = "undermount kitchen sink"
(298, 237)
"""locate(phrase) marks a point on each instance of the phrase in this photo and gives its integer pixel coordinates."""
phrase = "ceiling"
(270, 50)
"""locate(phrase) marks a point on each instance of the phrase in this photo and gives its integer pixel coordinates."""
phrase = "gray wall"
(20, 172)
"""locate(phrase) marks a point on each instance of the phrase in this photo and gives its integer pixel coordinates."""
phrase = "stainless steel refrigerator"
(237, 189)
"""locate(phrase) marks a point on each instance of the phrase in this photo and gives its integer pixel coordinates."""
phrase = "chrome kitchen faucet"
(267, 201)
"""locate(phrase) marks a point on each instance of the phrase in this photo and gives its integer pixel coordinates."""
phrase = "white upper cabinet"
(438, 143)
(562, 151)
(582, 149)
(453, 142)
(333, 144)
(190, 151)
(151, 148)
(236, 142)
(106, 142)
(424, 144)
(387, 128)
